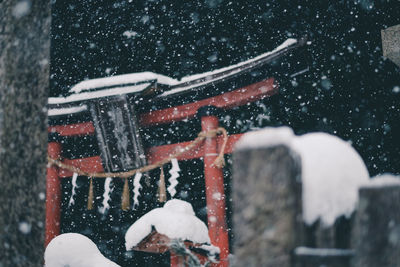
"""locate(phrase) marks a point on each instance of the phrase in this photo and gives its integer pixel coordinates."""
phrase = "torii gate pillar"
(214, 181)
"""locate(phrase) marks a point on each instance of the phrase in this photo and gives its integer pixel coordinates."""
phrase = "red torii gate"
(208, 151)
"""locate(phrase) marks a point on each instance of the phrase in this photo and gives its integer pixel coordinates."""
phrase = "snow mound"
(383, 180)
(74, 250)
(332, 170)
(176, 220)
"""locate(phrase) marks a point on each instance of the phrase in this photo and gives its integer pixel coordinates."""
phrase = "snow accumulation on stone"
(266, 137)
(74, 250)
(383, 180)
(176, 220)
(332, 170)
(306, 251)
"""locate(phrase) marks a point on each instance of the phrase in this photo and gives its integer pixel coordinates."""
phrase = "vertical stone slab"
(266, 206)
(24, 84)
(376, 235)
(391, 43)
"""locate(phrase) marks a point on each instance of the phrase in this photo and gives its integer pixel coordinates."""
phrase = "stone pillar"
(24, 85)
(266, 206)
(391, 43)
(376, 235)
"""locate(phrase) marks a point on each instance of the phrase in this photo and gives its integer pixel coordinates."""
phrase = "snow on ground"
(74, 250)
(383, 180)
(332, 170)
(176, 220)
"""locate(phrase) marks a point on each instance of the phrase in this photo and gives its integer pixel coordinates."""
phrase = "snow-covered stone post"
(266, 202)
(376, 235)
(24, 85)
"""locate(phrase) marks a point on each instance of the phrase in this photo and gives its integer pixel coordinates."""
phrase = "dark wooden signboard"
(117, 133)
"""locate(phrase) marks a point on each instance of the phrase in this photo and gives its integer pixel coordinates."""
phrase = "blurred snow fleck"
(24, 227)
(21, 9)
(396, 89)
(130, 34)
(145, 19)
(213, 58)
(213, 3)
(326, 83)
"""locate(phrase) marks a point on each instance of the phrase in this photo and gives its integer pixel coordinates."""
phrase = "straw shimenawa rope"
(219, 161)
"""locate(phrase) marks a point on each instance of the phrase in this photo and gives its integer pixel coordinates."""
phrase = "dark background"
(350, 90)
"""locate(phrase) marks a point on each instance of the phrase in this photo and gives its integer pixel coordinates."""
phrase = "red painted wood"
(73, 129)
(154, 154)
(177, 261)
(53, 195)
(158, 153)
(215, 195)
(228, 100)
(91, 164)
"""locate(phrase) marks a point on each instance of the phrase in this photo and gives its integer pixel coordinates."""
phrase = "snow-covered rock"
(383, 180)
(332, 170)
(176, 220)
(74, 250)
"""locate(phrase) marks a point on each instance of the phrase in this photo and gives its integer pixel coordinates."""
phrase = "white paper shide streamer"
(136, 188)
(173, 180)
(106, 196)
(74, 186)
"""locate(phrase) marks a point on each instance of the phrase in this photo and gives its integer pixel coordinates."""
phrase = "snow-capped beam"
(228, 100)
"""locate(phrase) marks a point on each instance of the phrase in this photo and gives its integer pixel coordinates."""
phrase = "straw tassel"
(125, 203)
(162, 192)
(90, 195)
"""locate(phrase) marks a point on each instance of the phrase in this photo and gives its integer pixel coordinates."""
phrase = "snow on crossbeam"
(202, 79)
(138, 82)
(332, 170)
(99, 94)
(119, 80)
(176, 220)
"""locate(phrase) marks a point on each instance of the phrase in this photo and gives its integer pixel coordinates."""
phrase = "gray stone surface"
(266, 206)
(376, 236)
(391, 43)
(24, 82)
